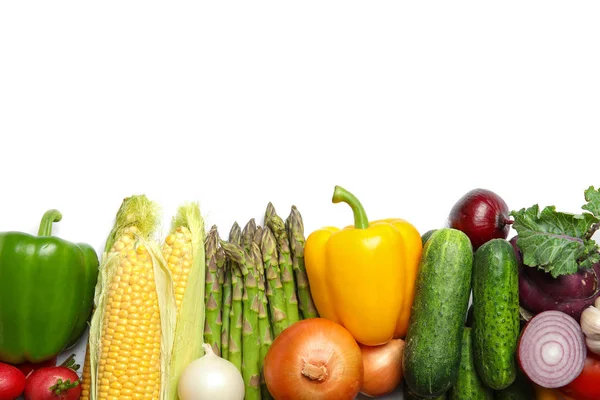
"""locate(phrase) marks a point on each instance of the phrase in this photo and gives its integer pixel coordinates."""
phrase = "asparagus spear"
(248, 234)
(258, 235)
(236, 312)
(264, 324)
(274, 221)
(213, 293)
(274, 288)
(295, 229)
(226, 309)
(210, 250)
(221, 259)
(261, 269)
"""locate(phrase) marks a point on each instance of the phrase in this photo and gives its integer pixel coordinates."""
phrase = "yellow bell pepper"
(363, 276)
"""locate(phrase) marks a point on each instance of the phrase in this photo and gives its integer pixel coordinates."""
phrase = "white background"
(234, 104)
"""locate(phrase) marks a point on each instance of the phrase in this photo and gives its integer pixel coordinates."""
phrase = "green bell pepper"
(46, 292)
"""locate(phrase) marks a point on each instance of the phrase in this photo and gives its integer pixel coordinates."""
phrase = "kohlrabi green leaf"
(592, 197)
(555, 241)
(551, 221)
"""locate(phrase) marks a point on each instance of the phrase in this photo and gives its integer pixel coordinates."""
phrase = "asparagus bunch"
(256, 286)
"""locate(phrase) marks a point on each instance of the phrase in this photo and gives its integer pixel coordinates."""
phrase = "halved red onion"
(552, 349)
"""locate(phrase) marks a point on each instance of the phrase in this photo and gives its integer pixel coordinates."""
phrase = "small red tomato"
(53, 383)
(12, 382)
(28, 368)
(587, 385)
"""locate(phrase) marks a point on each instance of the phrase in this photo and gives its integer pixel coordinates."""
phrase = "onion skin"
(314, 359)
(482, 215)
(382, 367)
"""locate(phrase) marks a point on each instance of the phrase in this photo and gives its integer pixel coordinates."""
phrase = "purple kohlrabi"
(571, 294)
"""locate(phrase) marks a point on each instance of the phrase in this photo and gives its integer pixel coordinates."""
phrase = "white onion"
(211, 378)
(552, 349)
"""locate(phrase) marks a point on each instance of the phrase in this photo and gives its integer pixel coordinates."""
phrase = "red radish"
(28, 368)
(54, 383)
(12, 382)
(552, 349)
(482, 215)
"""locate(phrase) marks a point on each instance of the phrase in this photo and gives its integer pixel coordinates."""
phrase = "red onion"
(552, 349)
(482, 215)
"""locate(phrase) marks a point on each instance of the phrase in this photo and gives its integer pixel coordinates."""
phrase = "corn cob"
(295, 230)
(213, 292)
(274, 288)
(131, 332)
(177, 251)
(274, 221)
(183, 250)
(236, 313)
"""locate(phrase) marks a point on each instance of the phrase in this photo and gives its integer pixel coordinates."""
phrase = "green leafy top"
(558, 242)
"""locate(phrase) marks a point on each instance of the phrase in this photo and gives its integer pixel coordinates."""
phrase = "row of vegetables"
(269, 312)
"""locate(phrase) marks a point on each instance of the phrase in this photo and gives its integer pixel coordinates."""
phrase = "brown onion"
(382, 367)
(314, 359)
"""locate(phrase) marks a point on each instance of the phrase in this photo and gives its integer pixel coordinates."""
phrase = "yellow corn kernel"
(130, 333)
(177, 250)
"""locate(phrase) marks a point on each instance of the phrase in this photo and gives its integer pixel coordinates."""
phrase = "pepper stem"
(360, 216)
(48, 219)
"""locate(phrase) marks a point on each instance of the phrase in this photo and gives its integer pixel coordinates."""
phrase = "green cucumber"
(469, 322)
(435, 329)
(408, 395)
(425, 237)
(495, 313)
(468, 385)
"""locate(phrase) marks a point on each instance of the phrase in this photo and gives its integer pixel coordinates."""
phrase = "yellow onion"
(382, 367)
